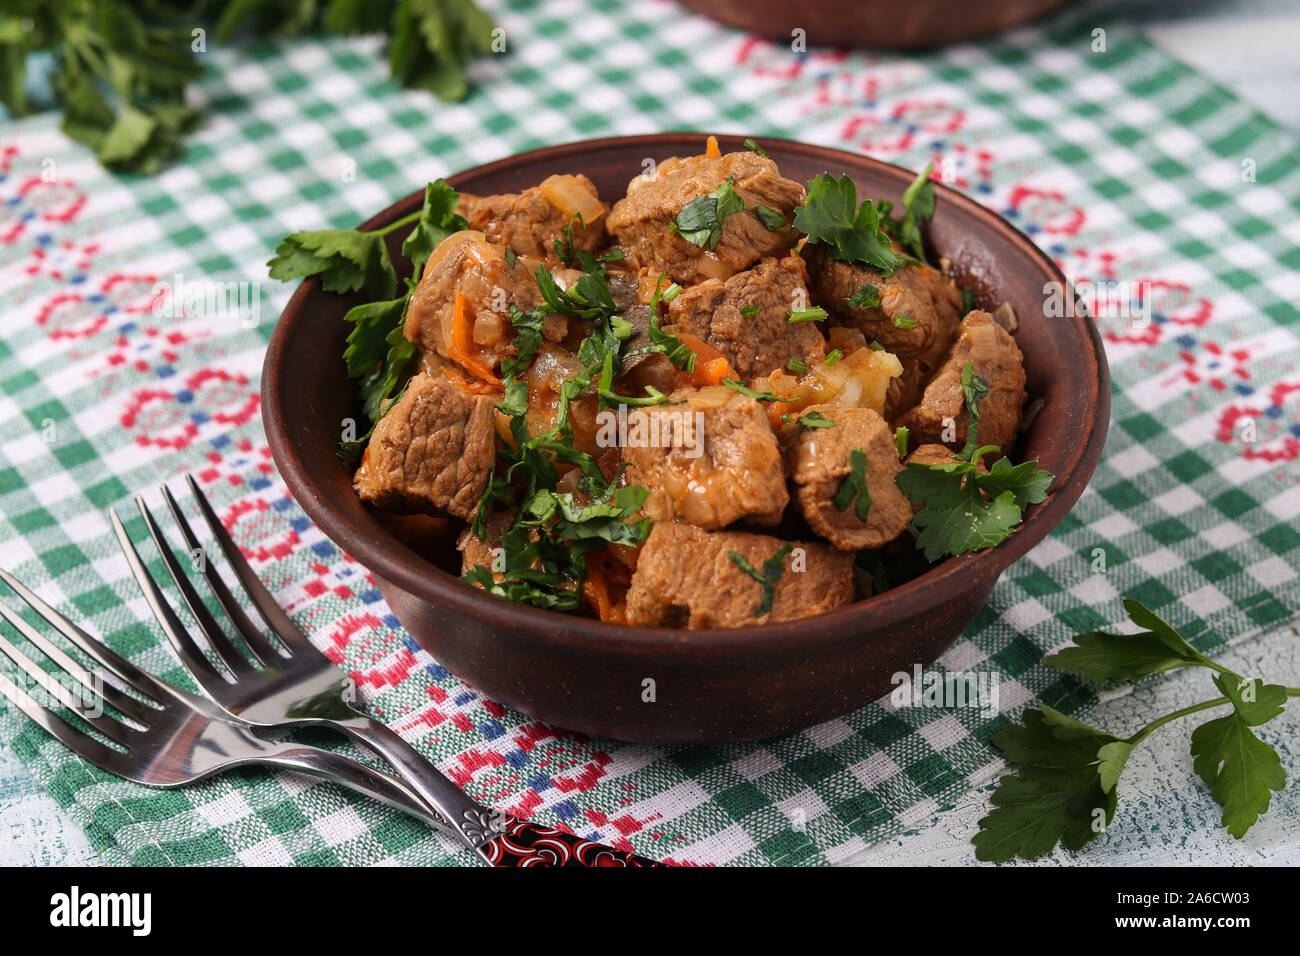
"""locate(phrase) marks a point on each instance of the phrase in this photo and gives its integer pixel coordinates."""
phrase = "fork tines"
(87, 702)
(252, 636)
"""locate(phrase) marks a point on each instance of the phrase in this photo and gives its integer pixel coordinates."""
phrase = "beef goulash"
(718, 400)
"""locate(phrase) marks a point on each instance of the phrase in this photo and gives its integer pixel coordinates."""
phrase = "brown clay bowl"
(716, 685)
(875, 24)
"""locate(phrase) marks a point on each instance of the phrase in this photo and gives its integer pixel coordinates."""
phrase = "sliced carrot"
(456, 375)
(711, 366)
(605, 587)
(460, 345)
(711, 147)
(595, 589)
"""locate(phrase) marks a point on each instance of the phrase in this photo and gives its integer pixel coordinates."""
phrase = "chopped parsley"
(770, 218)
(749, 311)
(564, 248)
(761, 396)
(815, 419)
(511, 257)
(918, 206)
(773, 568)
(678, 352)
(868, 297)
(750, 144)
(810, 314)
(854, 489)
(973, 389)
(589, 298)
(850, 232)
(700, 220)
(528, 338)
(963, 509)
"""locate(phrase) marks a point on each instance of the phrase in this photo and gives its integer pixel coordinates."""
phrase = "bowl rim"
(399, 565)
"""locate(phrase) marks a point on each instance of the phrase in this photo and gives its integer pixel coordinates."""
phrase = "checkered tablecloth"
(1122, 164)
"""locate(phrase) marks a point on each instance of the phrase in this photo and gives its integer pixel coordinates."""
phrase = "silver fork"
(296, 685)
(171, 736)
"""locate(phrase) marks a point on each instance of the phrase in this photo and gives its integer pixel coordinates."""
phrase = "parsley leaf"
(700, 220)
(590, 297)
(918, 206)
(678, 352)
(1107, 658)
(752, 393)
(345, 259)
(773, 568)
(438, 220)
(815, 419)
(749, 311)
(963, 509)
(973, 390)
(868, 297)
(1067, 773)
(956, 517)
(770, 218)
(120, 70)
(1240, 769)
(528, 339)
(851, 233)
(377, 351)
(750, 144)
(1057, 794)
(854, 489)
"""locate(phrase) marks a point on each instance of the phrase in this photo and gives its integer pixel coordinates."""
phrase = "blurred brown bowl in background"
(874, 24)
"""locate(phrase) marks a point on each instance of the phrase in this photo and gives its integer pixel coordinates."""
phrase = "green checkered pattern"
(1198, 525)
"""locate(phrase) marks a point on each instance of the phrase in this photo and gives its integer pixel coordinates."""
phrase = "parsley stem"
(1146, 731)
(393, 226)
(1155, 725)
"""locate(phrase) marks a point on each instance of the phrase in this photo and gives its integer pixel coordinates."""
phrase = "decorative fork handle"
(499, 839)
(530, 844)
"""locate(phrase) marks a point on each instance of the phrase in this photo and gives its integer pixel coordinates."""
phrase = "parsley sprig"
(773, 568)
(546, 546)
(918, 206)
(120, 68)
(850, 232)
(964, 509)
(378, 355)
(700, 220)
(1065, 785)
(853, 491)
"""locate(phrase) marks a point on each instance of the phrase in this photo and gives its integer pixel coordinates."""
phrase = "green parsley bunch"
(1065, 786)
(121, 66)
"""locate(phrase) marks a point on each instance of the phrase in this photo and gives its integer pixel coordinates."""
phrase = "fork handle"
(499, 839)
(531, 844)
(357, 776)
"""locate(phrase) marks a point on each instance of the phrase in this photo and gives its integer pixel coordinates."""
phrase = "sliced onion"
(571, 196)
